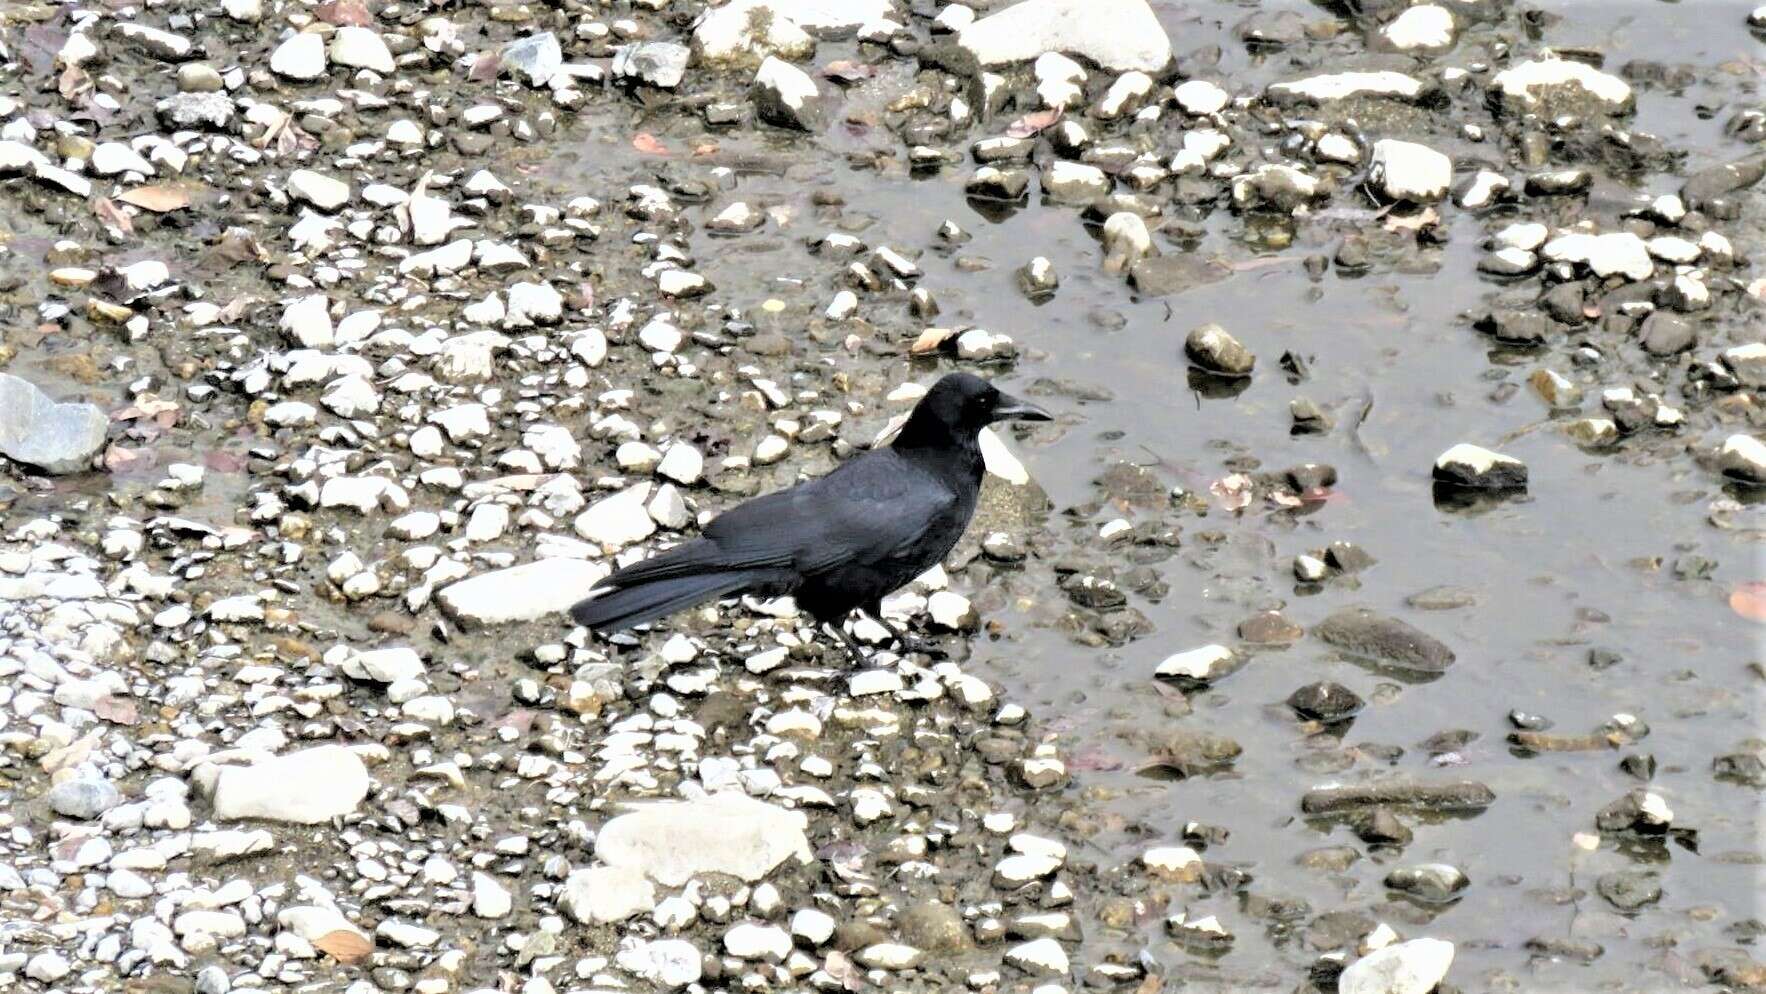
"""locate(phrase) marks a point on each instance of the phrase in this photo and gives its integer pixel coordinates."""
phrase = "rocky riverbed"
(1382, 613)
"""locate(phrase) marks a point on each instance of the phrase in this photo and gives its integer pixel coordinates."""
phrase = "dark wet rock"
(53, 437)
(1511, 326)
(1558, 947)
(1559, 182)
(1709, 184)
(1564, 303)
(1449, 797)
(1528, 722)
(934, 927)
(1380, 827)
(1432, 883)
(1470, 466)
(786, 96)
(1640, 811)
(1308, 416)
(1740, 767)
(1165, 275)
(1214, 350)
(1310, 477)
(1363, 632)
(1276, 187)
(1665, 334)
(1337, 929)
(1629, 890)
(1190, 754)
(993, 183)
(1269, 628)
(1271, 29)
(1332, 859)
(1640, 765)
(1346, 557)
(1325, 701)
(1508, 262)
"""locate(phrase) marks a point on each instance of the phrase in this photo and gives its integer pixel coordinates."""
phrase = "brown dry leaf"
(1150, 984)
(159, 199)
(118, 459)
(344, 945)
(931, 340)
(647, 143)
(704, 149)
(1033, 123)
(108, 212)
(1749, 601)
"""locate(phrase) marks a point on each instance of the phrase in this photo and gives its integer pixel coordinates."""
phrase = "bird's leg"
(908, 642)
(855, 651)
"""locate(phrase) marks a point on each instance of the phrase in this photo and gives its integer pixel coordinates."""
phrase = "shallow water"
(1554, 574)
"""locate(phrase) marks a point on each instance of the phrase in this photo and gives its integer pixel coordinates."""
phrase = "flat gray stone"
(37, 431)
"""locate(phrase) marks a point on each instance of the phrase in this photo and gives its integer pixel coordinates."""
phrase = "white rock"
(1118, 35)
(1468, 465)
(360, 48)
(1407, 171)
(1039, 957)
(786, 96)
(1422, 28)
(490, 899)
(114, 158)
(1523, 87)
(725, 833)
(305, 788)
(682, 463)
(669, 963)
(748, 30)
(533, 303)
(619, 520)
(384, 665)
(1482, 191)
(1342, 85)
(307, 320)
(601, 895)
(812, 926)
(1203, 665)
(1200, 97)
(1743, 457)
(521, 593)
(1414, 967)
(1616, 252)
(751, 941)
(318, 189)
(301, 57)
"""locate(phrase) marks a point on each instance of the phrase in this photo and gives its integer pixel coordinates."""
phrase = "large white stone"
(521, 593)
(618, 520)
(1342, 85)
(667, 963)
(1619, 252)
(725, 833)
(1116, 34)
(1414, 967)
(301, 57)
(324, 192)
(305, 788)
(1422, 28)
(360, 48)
(1524, 87)
(1408, 171)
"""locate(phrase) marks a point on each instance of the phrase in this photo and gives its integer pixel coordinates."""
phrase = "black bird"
(838, 543)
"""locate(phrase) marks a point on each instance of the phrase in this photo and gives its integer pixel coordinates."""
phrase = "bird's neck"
(936, 446)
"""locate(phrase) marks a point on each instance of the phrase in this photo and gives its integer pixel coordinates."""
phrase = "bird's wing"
(866, 510)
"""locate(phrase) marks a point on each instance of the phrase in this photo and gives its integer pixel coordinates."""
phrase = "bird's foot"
(910, 643)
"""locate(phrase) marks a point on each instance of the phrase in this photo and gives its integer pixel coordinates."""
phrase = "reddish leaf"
(704, 149)
(1033, 123)
(344, 945)
(485, 67)
(158, 199)
(345, 12)
(1749, 601)
(116, 710)
(1233, 492)
(108, 212)
(848, 71)
(646, 143)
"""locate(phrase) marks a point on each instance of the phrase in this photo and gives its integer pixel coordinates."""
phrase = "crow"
(838, 543)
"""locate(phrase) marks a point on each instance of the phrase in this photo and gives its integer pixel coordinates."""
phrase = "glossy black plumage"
(838, 543)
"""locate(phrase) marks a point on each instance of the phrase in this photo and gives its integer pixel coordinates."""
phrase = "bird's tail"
(627, 606)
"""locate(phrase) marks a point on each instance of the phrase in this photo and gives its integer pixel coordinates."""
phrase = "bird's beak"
(1011, 408)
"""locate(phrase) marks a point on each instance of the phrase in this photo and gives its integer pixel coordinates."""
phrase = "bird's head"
(958, 407)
